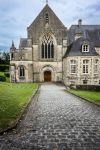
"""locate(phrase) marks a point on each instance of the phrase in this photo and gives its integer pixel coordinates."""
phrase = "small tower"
(12, 51)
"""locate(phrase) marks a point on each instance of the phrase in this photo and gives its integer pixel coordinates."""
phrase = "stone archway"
(47, 76)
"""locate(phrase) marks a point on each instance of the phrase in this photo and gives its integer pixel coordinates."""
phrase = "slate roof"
(23, 43)
(75, 48)
(92, 32)
(89, 33)
(85, 27)
(94, 36)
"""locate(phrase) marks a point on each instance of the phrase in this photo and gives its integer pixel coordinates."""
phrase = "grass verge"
(91, 96)
(13, 99)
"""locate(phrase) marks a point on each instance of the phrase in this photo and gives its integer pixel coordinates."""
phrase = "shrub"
(7, 74)
(3, 68)
(88, 87)
(2, 78)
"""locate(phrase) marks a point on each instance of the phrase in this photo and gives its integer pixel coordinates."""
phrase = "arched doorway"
(47, 76)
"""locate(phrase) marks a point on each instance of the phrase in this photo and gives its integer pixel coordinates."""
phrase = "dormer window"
(85, 48)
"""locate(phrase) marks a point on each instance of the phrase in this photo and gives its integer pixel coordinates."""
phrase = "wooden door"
(47, 76)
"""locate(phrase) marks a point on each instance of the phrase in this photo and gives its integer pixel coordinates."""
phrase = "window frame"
(22, 72)
(85, 47)
(85, 68)
(96, 66)
(47, 48)
(73, 66)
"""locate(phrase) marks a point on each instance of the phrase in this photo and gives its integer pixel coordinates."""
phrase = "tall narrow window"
(85, 66)
(42, 47)
(46, 50)
(96, 66)
(47, 47)
(73, 66)
(12, 55)
(49, 50)
(47, 18)
(21, 71)
(52, 50)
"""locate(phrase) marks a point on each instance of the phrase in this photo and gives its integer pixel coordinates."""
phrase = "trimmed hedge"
(88, 87)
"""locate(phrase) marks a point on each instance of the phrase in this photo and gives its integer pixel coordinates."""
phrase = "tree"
(4, 58)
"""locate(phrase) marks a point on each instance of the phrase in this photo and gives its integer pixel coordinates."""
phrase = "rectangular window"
(85, 66)
(96, 66)
(85, 48)
(73, 66)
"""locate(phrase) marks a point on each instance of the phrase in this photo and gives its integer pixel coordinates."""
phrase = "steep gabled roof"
(51, 14)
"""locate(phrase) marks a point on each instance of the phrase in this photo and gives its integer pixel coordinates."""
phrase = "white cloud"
(16, 15)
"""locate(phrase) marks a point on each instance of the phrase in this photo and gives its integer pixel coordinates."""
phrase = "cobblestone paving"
(55, 120)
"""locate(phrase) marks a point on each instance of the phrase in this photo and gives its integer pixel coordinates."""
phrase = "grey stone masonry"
(55, 120)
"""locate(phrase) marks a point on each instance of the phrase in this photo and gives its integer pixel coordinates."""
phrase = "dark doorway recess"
(47, 76)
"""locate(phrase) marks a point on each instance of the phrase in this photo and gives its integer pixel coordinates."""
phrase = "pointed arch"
(47, 46)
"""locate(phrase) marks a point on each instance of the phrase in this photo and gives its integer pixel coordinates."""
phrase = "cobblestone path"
(55, 120)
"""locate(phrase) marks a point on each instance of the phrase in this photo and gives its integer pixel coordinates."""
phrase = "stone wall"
(78, 77)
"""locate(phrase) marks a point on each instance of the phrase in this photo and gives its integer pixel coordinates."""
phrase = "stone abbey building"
(53, 53)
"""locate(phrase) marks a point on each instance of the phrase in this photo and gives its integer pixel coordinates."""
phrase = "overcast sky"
(16, 15)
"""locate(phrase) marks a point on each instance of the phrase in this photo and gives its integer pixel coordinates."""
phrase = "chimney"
(79, 22)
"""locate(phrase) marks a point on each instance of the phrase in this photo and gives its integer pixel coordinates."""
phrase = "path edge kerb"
(85, 99)
(22, 112)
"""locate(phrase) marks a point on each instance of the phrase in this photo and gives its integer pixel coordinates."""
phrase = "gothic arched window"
(47, 47)
(21, 71)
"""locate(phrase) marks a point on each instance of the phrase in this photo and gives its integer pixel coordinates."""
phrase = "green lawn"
(90, 95)
(13, 98)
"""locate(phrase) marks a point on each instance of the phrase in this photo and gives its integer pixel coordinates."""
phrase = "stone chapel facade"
(52, 53)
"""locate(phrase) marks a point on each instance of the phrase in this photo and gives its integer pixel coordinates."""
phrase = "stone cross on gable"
(46, 1)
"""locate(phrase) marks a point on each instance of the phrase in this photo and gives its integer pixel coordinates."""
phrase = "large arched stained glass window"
(47, 47)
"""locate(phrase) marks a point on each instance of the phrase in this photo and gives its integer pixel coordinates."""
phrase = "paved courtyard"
(55, 120)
